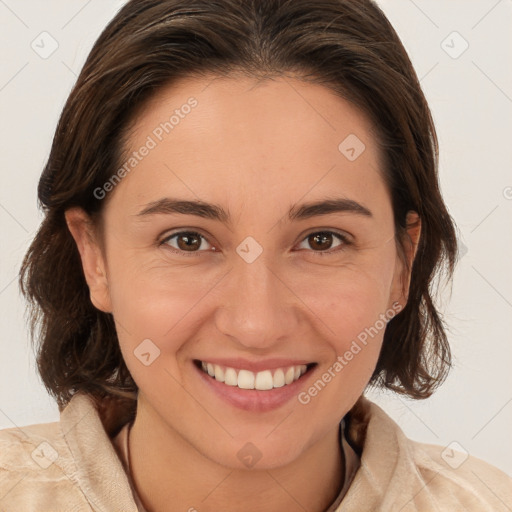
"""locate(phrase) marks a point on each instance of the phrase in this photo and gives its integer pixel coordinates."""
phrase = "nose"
(256, 308)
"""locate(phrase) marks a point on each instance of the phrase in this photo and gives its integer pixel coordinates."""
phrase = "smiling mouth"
(262, 381)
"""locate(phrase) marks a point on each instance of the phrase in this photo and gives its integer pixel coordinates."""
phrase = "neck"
(192, 482)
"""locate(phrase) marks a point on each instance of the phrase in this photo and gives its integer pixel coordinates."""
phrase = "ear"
(93, 261)
(410, 242)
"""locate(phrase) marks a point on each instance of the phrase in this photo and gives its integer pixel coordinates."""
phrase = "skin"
(255, 149)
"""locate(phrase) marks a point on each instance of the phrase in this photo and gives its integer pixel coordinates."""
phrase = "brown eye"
(185, 241)
(322, 241)
(188, 242)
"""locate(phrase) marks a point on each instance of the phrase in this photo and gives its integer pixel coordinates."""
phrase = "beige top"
(72, 466)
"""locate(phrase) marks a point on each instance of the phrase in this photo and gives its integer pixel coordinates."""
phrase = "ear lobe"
(410, 247)
(93, 263)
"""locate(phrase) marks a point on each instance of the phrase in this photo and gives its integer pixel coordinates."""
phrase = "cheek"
(149, 294)
(152, 301)
(350, 298)
(352, 306)
(153, 323)
(354, 312)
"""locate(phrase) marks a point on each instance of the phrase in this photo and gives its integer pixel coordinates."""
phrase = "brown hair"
(346, 45)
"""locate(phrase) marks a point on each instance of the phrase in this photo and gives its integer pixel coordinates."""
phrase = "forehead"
(283, 135)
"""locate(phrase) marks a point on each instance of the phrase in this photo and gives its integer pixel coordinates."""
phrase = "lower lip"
(253, 399)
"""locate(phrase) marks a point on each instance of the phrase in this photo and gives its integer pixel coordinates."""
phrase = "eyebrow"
(215, 212)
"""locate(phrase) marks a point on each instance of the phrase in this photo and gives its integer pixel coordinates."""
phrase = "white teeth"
(245, 379)
(279, 378)
(262, 381)
(230, 377)
(219, 373)
(289, 376)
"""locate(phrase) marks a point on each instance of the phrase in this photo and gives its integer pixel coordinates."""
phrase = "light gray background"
(471, 100)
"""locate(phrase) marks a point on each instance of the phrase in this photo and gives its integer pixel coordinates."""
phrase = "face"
(253, 283)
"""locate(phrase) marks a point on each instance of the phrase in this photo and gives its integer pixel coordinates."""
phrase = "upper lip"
(256, 366)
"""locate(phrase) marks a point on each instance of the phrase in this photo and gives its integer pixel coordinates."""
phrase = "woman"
(243, 220)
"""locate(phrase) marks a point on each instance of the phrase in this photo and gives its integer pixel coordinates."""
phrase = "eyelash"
(342, 238)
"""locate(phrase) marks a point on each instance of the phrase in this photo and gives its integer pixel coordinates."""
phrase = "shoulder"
(67, 465)
(33, 459)
(19, 445)
(397, 473)
(449, 471)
